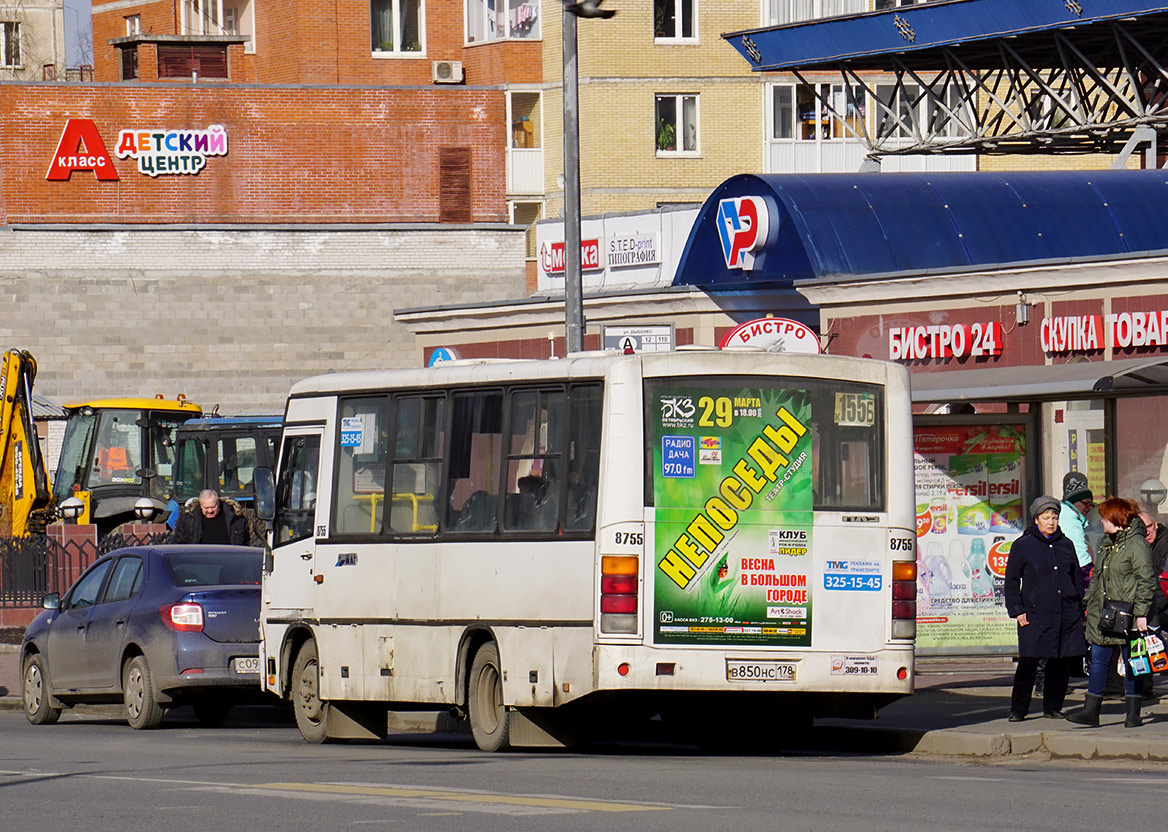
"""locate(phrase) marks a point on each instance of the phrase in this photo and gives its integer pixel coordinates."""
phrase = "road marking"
(963, 777)
(571, 804)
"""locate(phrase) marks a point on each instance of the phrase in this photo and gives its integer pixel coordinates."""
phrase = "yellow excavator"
(25, 499)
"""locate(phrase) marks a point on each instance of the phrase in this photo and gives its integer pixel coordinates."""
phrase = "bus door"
(293, 566)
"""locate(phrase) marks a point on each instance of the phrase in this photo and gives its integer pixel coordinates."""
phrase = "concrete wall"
(233, 317)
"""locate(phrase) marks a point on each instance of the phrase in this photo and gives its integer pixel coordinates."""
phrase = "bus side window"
(419, 429)
(359, 501)
(585, 405)
(534, 461)
(473, 472)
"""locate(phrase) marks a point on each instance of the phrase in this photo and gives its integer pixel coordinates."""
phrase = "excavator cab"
(116, 451)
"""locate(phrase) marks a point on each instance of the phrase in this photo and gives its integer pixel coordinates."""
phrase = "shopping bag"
(1157, 655)
(1138, 659)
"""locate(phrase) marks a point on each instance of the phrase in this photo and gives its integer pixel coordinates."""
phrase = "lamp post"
(573, 277)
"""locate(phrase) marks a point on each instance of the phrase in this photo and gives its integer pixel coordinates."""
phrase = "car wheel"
(142, 711)
(37, 697)
(311, 712)
(490, 723)
(211, 711)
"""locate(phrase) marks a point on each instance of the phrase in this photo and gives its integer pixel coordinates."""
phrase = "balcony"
(524, 171)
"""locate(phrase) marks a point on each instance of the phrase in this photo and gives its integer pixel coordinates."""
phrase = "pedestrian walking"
(1123, 573)
(1044, 595)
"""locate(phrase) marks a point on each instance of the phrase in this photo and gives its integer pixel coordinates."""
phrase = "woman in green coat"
(1123, 572)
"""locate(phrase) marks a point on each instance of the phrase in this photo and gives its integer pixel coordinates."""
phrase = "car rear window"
(214, 568)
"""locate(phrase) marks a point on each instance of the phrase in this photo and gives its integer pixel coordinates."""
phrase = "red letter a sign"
(81, 148)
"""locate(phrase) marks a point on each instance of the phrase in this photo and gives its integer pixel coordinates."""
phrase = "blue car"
(153, 627)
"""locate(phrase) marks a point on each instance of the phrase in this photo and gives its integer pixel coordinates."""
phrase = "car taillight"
(618, 593)
(186, 617)
(904, 599)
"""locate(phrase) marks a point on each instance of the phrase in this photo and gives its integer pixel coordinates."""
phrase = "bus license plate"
(765, 670)
(248, 665)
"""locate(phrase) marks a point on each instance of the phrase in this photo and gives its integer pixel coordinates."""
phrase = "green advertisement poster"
(732, 476)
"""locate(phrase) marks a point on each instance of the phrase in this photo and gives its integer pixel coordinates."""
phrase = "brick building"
(223, 240)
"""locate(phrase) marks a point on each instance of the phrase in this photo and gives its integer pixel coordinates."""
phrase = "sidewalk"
(959, 709)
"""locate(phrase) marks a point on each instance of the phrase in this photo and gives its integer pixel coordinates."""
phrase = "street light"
(573, 279)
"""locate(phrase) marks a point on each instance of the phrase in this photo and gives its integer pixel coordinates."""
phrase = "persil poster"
(969, 511)
(732, 488)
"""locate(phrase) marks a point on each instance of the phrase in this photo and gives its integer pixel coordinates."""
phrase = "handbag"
(1115, 619)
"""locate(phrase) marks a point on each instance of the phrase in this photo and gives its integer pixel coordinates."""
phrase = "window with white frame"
(488, 20)
(799, 111)
(881, 5)
(396, 25)
(778, 12)
(133, 24)
(239, 19)
(674, 20)
(676, 121)
(9, 43)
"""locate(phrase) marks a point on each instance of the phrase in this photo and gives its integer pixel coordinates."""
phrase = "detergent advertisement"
(969, 483)
(731, 479)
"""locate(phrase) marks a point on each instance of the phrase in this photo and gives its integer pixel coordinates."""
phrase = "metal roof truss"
(1056, 102)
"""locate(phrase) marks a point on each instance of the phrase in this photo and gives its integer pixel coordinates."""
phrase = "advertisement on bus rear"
(731, 481)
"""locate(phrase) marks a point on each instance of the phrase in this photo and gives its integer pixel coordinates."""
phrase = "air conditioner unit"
(447, 72)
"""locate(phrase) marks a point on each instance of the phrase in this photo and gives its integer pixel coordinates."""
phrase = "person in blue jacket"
(1044, 595)
(1077, 502)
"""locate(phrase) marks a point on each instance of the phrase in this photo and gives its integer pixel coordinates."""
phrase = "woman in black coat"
(1044, 594)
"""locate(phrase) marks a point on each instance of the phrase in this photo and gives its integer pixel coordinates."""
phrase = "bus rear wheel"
(490, 722)
(311, 712)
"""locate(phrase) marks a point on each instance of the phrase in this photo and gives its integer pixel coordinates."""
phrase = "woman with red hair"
(1123, 572)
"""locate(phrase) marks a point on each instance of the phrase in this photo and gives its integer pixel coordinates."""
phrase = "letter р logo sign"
(743, 227)
(81, 149)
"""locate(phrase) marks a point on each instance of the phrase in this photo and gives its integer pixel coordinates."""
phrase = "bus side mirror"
(265, 493)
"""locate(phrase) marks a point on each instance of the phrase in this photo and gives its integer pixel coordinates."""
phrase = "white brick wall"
(233, 317)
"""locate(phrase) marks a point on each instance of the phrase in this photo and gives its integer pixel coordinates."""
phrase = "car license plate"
(246, 665)
(759, 670)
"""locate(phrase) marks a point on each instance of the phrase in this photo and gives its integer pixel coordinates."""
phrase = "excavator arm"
(25, 498)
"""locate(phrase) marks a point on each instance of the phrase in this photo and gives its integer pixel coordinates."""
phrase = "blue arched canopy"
(836, 225)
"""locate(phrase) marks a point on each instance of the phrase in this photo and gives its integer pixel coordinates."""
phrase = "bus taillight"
(904, 599)
(618, 594)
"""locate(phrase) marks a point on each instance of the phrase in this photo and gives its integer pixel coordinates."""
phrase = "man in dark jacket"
(209, 520)
(1157, 536)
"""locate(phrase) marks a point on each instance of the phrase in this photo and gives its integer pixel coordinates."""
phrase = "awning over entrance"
(1047, 383)
(780, 229)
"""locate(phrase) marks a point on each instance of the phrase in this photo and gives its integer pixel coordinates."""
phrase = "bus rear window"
(821, 442)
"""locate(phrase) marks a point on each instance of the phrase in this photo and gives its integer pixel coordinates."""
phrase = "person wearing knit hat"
(1077, 501)
(1044, 595)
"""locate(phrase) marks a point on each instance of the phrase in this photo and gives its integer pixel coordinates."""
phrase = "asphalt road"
(257, 773)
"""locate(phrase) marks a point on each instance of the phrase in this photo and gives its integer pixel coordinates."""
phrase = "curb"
(1079, 745)
(11, 703)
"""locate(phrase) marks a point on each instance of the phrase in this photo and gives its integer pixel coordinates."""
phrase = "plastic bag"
(1138, 659)
(1157, 655)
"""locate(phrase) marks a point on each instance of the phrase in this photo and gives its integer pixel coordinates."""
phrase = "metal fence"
(33, 566)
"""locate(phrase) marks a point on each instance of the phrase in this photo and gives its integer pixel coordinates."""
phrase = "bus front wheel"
(490, 722)
(311, 712)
